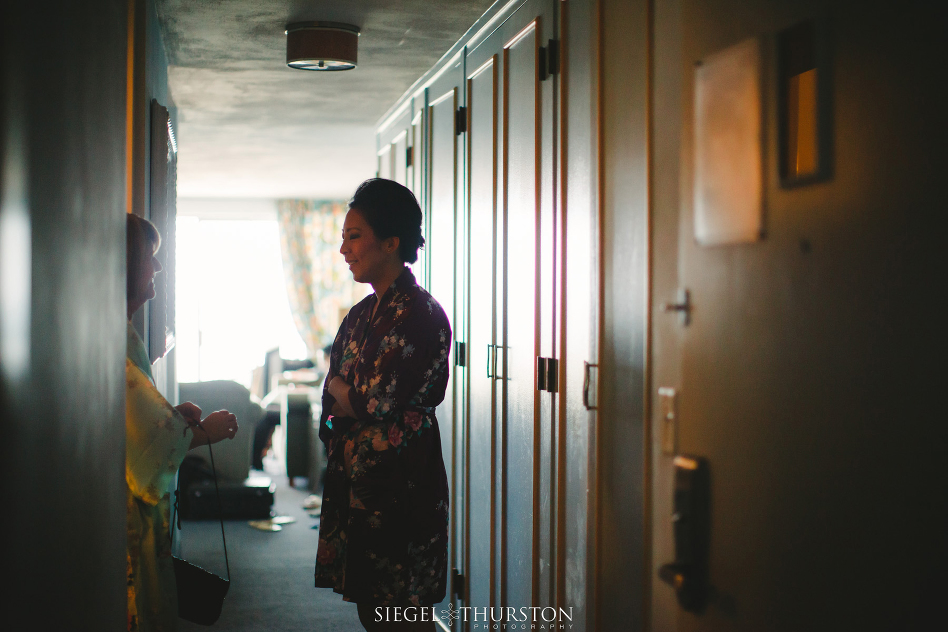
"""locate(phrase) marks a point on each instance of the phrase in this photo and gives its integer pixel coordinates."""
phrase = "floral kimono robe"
(156, 443)
(383, 532)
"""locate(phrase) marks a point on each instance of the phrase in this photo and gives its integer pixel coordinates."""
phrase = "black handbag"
(200, 593)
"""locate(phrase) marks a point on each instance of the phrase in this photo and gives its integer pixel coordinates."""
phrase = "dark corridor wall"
(62, 138)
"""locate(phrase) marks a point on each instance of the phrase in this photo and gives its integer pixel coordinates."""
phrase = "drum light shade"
(322, 45)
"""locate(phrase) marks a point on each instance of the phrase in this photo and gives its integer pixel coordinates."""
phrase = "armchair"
(232, 457)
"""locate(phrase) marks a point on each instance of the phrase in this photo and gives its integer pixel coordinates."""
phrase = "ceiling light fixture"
(321, 45)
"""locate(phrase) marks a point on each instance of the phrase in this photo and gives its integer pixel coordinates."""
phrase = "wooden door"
(394, 141)
(416, 157)
(577, 574)
(415, 154)
(520, 120)
(526, 195)
(547, 300)
(442, 191)
(617, 538)
(400, 158)
(385, 162)
(483, 171)
(444, 249)
(400, 151)
(801, 377)
(510, 165)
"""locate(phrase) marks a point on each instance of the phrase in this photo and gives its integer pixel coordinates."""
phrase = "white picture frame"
(728, 176)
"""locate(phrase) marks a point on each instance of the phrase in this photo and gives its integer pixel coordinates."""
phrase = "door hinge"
(541, 373)
(460, 120)
(553, 63)
(549, 60)
(547, 374)
(458, 583)
(460, 353)
(409, 154)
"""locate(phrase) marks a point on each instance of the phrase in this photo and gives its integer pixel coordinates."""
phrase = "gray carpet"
(271, 572)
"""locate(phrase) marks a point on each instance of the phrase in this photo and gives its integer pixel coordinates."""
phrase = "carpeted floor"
(271, 572)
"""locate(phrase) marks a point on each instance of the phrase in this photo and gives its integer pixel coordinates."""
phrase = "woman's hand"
(340, 392)
(190, 412)
(217, 426)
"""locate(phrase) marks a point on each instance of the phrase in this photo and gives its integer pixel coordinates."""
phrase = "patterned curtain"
(318, 281)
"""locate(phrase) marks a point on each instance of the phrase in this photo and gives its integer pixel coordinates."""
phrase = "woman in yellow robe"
(158, 435)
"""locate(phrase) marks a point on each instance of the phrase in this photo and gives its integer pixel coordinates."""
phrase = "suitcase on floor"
(250, 500)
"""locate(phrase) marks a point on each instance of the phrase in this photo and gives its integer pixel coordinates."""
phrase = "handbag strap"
(176, 519)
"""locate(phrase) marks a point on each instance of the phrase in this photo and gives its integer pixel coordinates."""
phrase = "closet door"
(444, 97)
(580, 308)
(400, 158)
(444, 248)
(414, 154)
(520, 335)
(483, 171)
(385, 162)
(547, 322)
(394, 141)
(525, 124)
(415, 158)
(510, 166)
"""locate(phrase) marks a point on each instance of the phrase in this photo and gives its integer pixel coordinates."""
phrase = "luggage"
(250, 500)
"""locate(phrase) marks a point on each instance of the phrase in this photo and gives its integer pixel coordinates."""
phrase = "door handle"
(492, 372)
(682, 306)
(688, 574)
(586, 380)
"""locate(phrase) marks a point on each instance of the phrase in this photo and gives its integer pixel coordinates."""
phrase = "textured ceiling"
(249, 126)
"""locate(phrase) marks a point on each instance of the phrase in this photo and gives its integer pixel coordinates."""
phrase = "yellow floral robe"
(156, 443)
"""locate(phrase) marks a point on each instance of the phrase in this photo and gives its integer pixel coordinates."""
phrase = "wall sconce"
(321, 45)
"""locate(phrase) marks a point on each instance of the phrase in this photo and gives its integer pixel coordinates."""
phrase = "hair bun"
(391, 210)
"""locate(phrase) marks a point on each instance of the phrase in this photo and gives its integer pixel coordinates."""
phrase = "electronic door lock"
(688, 574)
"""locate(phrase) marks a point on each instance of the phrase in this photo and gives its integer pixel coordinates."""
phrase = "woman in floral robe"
(383, 532)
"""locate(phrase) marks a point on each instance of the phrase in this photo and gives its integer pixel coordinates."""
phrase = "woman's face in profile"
(145, 287)
(363, 251)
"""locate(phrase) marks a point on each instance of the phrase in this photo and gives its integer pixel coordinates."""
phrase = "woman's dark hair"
(139, 235)
(391, 210)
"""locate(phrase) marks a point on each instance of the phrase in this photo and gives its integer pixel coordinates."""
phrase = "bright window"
(231, 304)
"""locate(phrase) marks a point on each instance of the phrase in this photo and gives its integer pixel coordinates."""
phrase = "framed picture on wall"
(162, 213)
